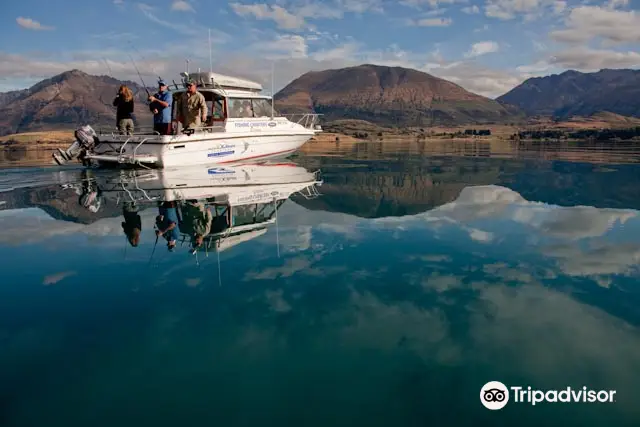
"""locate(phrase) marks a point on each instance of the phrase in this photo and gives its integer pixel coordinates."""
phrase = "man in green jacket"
(191, 107)
(196, 220)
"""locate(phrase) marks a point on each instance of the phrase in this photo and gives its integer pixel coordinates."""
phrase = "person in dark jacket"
(124, 113)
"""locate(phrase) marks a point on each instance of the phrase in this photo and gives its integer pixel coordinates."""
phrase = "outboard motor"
(86, 140)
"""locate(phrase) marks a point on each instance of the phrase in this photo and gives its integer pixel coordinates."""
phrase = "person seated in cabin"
(247, 110)
(132, 224)
(196, 221)
(167, 224)
(124, 110)
(191, 107)
(160, 106)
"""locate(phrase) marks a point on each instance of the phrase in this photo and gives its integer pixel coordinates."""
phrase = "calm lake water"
(388, 299)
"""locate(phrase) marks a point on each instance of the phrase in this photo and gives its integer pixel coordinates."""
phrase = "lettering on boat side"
(222, 150)
(258, 124)
(255, 197)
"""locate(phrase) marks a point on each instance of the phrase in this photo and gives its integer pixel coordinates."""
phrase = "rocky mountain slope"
(66, 101)
(578, 94)
(372, 189)
(389, 96)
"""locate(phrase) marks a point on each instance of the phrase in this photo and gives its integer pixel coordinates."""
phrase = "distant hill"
(389, 96)
(578, 94)
(374, 189)
(65, 101)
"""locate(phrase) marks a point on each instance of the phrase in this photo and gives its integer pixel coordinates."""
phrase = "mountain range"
(385, 96)
(67, 101)
(578, 94)
(389, 96)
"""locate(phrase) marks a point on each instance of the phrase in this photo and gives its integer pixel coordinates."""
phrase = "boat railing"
(308, 120)
(144, 131)
(311, 192)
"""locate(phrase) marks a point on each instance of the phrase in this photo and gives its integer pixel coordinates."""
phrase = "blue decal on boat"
(218, 171)
(221, 153)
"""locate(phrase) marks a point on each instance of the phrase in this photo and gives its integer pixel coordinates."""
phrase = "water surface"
(389, 300)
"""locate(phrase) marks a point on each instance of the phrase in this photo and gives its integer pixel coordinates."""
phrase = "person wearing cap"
(191, 107)
(196, 221)
(160, 106)
(167, 224)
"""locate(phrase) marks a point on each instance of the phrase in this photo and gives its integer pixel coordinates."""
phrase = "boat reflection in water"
(215, 207)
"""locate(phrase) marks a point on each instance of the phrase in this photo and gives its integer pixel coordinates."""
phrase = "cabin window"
(244, 215)
(267, 210)
(215, 105)
(261, 107)
(249, 107)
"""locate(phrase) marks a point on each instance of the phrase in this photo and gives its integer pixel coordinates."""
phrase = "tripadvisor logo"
(495, 395)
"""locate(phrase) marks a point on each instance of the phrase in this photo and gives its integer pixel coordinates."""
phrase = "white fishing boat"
(238, 184)
(242, 125)
(244, 199)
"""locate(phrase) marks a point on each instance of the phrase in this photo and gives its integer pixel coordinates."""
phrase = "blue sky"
(486, 46)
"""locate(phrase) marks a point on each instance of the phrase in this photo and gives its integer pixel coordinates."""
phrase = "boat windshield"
(249, 107)
(255, 213)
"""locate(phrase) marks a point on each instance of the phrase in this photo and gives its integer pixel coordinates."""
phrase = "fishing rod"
(145, 60)
(140, 75)
(108, 66)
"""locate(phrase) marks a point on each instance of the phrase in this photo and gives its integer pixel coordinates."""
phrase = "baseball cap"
(162, 83)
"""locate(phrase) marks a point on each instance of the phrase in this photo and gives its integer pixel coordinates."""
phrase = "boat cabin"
(233, 221)
(227, 97)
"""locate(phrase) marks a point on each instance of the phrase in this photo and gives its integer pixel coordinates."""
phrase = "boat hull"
(197, 149)
(238, 183)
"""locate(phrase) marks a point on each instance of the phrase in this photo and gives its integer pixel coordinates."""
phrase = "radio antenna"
(272, 86)
(210, 58)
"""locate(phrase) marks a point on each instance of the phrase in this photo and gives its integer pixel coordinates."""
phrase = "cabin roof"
(210, 79)
(228, 93)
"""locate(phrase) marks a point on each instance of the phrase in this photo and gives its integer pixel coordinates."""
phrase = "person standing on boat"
(191, 107)
(167, 224)
(132, 224)
(196, 220)
(160, 106)
(124, 113)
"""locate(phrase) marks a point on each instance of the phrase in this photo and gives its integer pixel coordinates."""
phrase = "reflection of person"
(90, 195)
(132, 224)
(160, 106)
(191, 107)
(167, 223)
(124, 110)
(196, 220)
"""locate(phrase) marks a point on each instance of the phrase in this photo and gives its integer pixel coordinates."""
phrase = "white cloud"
(281, 16)
(577, 238)
(436, 12)
(433, 22)
(614, 4)
(482, 48)
(347, 50)
(529, 9)
(181, 6)
(471, 9)
(185, 28)
(418, 4)
(359, 6)
(585, 23)
(30, 24)
(586, 59)
(284, 46)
